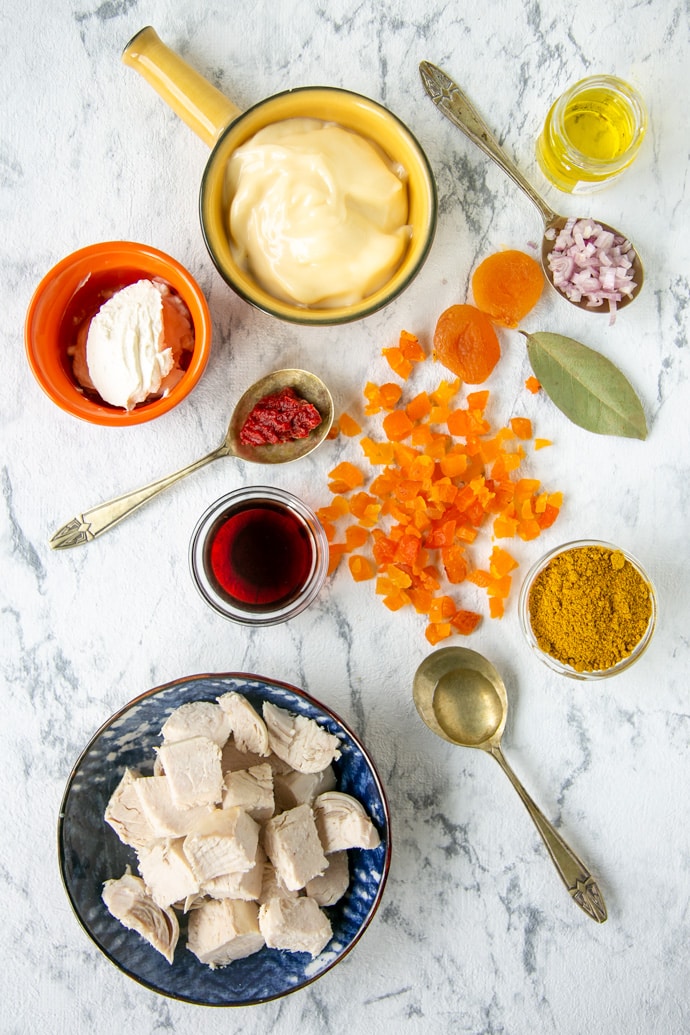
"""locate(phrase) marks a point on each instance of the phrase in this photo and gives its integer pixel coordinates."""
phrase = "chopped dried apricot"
(397, 425)
(361, 567)
(345, 477)
(532, 384)
(349, 426)
(440, 477)
(522, 426)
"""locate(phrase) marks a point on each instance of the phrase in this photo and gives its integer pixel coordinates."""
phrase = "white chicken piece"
(193, 770)
(330, 886)
(165, 818)
(128, 901)
(224, 841)
(292, 788)
(272, 886)
(297, 925)
(197, 719)
(252, 790)
(223, 930)
(299, 741)
(246, 886)
(248, 728)
(166, 872)
(125, 815)
(292, 844)
(342, 822)
(233, 759)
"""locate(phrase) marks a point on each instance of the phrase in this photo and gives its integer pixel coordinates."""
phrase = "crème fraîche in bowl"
(118, 333)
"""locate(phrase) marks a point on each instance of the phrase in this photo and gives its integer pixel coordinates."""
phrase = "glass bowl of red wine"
(259, 556)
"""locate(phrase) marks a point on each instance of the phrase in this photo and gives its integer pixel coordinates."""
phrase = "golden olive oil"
(591, 133)
(599, 125)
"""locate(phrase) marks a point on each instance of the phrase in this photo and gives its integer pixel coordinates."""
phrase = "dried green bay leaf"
(586, 386)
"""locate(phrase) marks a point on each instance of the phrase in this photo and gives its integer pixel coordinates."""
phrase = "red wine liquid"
(260, 555)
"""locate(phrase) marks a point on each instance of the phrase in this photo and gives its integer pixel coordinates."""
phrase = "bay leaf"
(590, 390)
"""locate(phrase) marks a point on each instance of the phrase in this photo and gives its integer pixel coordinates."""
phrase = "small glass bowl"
(554, 663)
(259, 556)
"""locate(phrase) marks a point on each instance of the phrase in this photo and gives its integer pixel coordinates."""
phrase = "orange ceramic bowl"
(69, 294)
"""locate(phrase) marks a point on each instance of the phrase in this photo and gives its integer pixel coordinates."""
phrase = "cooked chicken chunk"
(252, 790)
(272, 886)
(224, 841)
(248, 728)
(233, 759)
(128, 901)
(343, 823)
(300, 741)
(167, 873)
(291, 788)
(164, 817)
(126, 816)
(297, 925)
(221, 931)
(197, 719)
(193, 771)
(245, 886)
(330, 886)
(292, 844)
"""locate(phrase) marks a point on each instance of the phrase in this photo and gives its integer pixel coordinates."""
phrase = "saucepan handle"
(197, 102)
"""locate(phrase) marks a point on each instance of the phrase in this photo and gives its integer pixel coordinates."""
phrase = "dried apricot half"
(507, 285)
(465, 342)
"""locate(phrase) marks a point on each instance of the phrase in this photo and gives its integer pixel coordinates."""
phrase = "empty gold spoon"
(461, 697)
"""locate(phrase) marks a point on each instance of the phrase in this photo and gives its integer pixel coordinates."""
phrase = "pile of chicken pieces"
(241, 827)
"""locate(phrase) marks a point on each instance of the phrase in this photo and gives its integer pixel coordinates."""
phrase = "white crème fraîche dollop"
(318, 213)
(125, 348)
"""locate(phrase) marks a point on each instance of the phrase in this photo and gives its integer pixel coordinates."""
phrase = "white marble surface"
(475, 933)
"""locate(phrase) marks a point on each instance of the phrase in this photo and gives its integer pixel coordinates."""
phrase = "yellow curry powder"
(589, 608)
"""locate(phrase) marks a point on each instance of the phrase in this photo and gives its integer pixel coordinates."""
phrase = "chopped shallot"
(592, 263)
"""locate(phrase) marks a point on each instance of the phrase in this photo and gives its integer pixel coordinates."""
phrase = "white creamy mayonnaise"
(125, 352)
(318, 215)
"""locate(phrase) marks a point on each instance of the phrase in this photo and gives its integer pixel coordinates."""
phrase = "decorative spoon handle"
(452, 102)
(94, 522)
(575, 875)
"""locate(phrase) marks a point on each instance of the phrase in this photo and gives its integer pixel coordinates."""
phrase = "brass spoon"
(461, 697)
(450, 100)
(94, 522)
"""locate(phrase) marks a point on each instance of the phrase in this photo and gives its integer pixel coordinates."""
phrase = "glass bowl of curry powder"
(588, 609)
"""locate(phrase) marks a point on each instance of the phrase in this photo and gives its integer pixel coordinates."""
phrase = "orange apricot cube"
(397, 362)
(347, 475)
(335, 552)
(410, 347)
(437, 631)
(361, 567)
(465, 622)
(522, 426)
(419, 407)
(397, 425)
(348, 425)
(501, 562)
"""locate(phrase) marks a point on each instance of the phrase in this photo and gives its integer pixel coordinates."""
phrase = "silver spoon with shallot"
(588, 263)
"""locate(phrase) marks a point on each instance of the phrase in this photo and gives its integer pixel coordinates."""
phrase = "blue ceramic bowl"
(90, 852)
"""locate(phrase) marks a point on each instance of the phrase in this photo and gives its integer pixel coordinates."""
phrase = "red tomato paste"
(280, 417)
